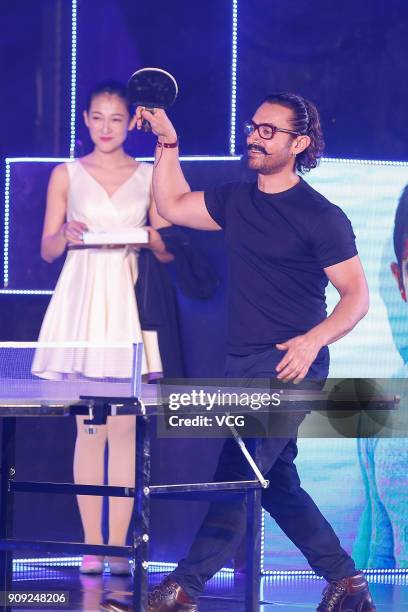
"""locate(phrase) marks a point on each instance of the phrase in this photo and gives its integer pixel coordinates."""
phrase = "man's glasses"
(265, 130)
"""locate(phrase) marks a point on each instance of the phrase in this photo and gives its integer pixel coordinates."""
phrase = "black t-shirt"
(278, 245)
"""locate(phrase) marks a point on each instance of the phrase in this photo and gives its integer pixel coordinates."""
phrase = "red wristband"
(167, 145)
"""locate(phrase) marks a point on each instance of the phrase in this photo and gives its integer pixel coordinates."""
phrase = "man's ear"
(397, 274)
(301, 143)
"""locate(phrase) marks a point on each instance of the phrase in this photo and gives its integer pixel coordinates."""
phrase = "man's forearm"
(350, 309)
(174, 200)
(169, 183)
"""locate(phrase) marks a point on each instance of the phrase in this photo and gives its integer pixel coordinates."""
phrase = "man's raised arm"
(174, 199)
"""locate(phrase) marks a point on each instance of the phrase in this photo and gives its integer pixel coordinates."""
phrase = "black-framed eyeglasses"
(265, 130)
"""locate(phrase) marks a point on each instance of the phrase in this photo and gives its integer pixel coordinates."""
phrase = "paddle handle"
(146, 127)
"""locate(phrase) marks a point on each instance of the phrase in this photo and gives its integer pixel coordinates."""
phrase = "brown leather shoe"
(347, 595)
(170, 597)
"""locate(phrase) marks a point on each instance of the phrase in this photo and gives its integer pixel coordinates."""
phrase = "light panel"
(74, 32)
(234, 60)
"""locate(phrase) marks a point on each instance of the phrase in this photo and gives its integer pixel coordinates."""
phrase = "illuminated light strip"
(26, 291)
(188, 158)
(171, 566)
(234, 77)
(6, 226)
(375, 162)
(13, 160)
(310, 573)
(74, 31)
(386, 571)
(262, 568)
(210, 158)
(47, 560)
(76, 561)
(166, 566)
(305, 573)
(6, 243)
(371, 162)
(69, 344)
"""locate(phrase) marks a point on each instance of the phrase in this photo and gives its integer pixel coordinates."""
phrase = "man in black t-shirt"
(285, 242)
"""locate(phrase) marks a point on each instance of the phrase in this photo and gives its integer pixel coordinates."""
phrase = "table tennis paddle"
(152, 88)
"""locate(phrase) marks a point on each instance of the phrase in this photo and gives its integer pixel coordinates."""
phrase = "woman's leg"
(121, 472)
(89, 469)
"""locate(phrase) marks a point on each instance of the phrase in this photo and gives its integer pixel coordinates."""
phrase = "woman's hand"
(73, 231)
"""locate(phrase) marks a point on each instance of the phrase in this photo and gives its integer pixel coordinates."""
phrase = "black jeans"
(292, 508)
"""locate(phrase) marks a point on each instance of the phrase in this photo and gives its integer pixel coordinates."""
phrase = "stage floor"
(223, 593)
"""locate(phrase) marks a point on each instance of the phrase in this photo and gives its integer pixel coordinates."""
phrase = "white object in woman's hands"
(73, 231)
(131, 235)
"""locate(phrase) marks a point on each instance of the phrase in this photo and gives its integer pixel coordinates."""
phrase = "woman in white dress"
(94, 299)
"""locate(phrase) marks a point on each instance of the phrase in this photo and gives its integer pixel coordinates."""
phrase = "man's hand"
(155, 243)
(157, 246)
(301, 351)
(162, 127)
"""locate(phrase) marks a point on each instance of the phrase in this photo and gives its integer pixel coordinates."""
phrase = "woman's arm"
(57, 233)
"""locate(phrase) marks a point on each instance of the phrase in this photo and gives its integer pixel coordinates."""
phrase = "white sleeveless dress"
(94, 299)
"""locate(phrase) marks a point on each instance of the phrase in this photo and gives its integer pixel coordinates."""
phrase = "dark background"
(349, 58)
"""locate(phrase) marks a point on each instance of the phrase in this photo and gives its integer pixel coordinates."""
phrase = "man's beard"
(264, 163)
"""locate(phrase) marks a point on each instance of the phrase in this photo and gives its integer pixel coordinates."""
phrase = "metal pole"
(141, 532)
(253, 550)
(136, 378)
